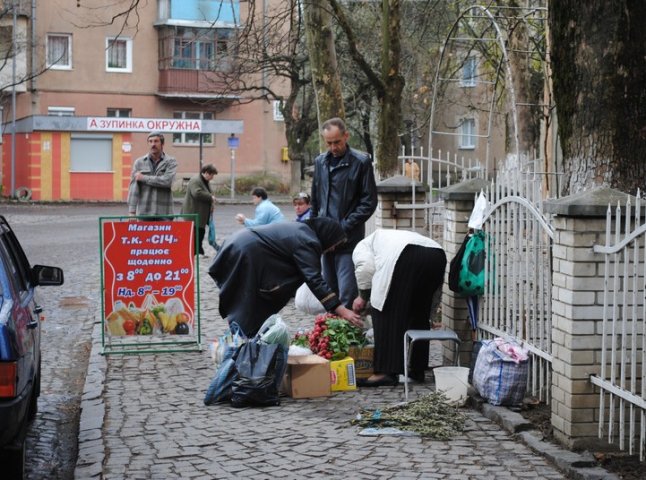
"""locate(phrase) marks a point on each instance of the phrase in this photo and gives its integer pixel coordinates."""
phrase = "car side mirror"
(44, 275)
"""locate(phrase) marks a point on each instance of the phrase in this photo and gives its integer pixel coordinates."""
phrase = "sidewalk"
(143, 417)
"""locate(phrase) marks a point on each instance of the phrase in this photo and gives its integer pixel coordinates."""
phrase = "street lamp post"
(233, 143)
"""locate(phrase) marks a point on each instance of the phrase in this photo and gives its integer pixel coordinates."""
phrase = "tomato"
(129, 326)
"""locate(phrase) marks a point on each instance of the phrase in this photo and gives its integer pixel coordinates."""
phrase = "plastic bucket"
(453, 382)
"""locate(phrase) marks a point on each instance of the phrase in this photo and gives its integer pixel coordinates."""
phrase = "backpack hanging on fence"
(471, 280)
(456, 265)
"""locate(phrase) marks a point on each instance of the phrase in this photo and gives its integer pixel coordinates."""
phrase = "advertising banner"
(148, 278)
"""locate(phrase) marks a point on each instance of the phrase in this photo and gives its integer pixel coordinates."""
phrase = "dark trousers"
(418, 273)
(201, 231)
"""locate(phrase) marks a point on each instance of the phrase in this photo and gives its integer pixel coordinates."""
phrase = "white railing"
(622, 377)
(440, 169)
(517, 301)
(437, 170)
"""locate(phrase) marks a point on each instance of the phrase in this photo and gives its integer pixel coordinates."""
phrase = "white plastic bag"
(225, 344)
(480, 208)
(274, 330)
(306, 302)
(296, 351)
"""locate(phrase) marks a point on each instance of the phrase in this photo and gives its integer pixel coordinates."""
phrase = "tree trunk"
(527, 87)
(598, 51)
(323, 64)
(390, 117)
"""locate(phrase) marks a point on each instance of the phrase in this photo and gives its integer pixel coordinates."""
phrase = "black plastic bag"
(260, 369)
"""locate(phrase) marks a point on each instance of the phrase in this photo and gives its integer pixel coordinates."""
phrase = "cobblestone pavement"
(143, 416)
(52, 235)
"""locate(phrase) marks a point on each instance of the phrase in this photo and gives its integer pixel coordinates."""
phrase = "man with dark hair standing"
(199, 200)
(151, 181)
(343, 189)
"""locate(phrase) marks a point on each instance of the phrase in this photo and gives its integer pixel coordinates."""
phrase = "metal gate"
(517, 301)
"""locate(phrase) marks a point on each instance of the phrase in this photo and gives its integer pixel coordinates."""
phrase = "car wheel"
(13, 462)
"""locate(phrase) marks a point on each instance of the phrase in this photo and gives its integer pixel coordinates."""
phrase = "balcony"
(186, 83)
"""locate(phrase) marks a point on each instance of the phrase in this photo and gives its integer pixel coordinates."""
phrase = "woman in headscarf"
(259, 269)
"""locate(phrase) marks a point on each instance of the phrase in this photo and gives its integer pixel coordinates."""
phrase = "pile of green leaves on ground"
(431, 416)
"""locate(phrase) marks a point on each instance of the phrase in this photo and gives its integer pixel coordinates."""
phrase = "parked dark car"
(20, 315)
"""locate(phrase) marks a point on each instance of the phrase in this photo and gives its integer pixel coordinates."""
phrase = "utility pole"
(14, 51)
(233, 143)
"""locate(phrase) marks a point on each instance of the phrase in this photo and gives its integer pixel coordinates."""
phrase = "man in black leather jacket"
(344, 189)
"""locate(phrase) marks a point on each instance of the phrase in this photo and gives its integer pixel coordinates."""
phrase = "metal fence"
(517, 301)
(622, 378)
(438, 170)
(441, 169)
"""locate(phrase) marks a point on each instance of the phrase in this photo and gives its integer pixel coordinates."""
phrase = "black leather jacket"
(347, 193)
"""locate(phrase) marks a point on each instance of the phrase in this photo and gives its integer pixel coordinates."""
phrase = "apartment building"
(98, 82)
(466, 123)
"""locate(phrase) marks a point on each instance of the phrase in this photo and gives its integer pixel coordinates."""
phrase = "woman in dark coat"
(199, 199)
(259, 269)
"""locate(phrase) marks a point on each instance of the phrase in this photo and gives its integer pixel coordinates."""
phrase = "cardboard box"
(342, 376)
(307, 376)
(363, 360)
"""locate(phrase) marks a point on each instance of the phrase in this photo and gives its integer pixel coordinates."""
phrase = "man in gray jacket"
(343, 189)
(151, 181)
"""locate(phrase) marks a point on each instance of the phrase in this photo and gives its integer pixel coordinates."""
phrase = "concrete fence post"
(398, 189)
(577, 313)
(458, 203)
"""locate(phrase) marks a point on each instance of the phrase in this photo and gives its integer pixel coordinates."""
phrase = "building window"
(91, 153)
(278, 115)
(6, 42)
(60, 111)
(59, 51)
(119, 112)
(196, 48)
(118, 54)
(193, 138)
(469, 72)
(468, 134)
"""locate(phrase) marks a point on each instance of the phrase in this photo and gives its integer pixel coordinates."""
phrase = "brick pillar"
(577, 314)
(458, 203)
(398, 189)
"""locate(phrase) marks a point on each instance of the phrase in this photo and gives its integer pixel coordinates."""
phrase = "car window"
(16, 270)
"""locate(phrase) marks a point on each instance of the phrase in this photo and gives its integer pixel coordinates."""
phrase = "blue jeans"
(338, 272)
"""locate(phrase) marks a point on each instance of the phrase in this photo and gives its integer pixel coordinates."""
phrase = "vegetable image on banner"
(149, 281)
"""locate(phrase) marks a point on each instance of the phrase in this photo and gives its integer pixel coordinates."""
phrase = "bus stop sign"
(233, 142)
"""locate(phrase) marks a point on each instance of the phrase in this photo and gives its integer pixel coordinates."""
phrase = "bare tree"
(322, 57)
(16, 70)
(386, 80)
